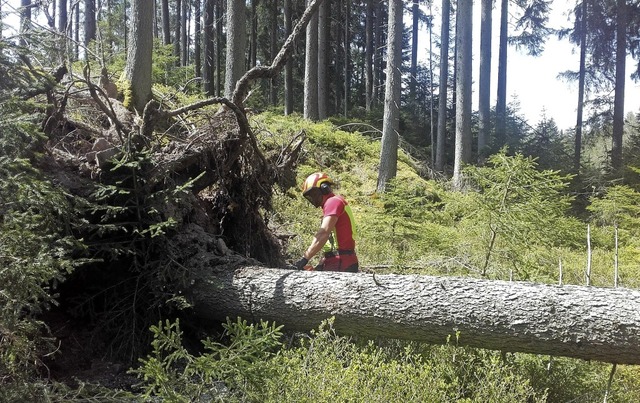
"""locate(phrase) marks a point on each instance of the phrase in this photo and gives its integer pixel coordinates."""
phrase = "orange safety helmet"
(318, 180)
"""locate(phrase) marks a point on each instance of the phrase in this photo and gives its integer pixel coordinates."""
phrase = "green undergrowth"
(258, 363)
(512, 221)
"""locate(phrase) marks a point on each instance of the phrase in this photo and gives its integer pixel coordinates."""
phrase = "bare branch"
(242, 86)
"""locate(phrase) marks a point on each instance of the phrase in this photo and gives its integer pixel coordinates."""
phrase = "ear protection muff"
(325, 188)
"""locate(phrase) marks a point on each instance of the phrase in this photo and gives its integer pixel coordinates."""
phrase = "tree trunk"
(311, 70)
(377, 53)
(582, 322)
(442, 92)
(76, 31)
(347, 59)
(501, 102)
(618, 103)
(90, 22)
(209, 67)
(484, 91)
(368, 55)
(581, 84)
(253, 40)
(415, 12)
(177, 32)
(236, 45)
(166, 24)
(323, 48)
(197, 38)
(390, 124)
(288, 69)
(184, 33)
(273, 49)
(463, 90)
(25, 21)
(62, 15)
(219, 5)
(139, 54)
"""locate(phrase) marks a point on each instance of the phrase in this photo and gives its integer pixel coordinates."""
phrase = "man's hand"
(299, 265)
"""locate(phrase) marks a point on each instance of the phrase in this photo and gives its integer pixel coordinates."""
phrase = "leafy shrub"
(222, 372)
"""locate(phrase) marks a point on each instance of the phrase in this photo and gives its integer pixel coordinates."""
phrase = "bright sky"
(534, 79)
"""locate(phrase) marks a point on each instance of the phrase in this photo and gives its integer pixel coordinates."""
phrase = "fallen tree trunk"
(591, 323)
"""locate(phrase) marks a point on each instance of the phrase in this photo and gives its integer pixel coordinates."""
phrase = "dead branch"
(242, 86)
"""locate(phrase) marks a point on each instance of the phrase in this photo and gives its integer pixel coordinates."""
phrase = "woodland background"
(138, 137)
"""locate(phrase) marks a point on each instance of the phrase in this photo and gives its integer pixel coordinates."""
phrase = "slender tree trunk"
(208, 67)
(138, 68)
(484, 91)
(288, 68)
(218, 46)
(155, 19)
(253, 43)
(347, 58)
(618, 103)
(184, 33)
(25, 21)
(415, 12)
(501, 102)
(590, 323)
(377, 53)
(89, 22)
(368, 56)
(236, 45)
(178, 32)
(389, 151)
(311, 70)
(582, 73)
(323, 43)
(442, 91)
(464, 22)
(273, 44)
(197, 38)
(166, 23)
(76, 30)
(62, 15)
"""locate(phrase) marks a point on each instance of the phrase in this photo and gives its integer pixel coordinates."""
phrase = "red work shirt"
(344, 231)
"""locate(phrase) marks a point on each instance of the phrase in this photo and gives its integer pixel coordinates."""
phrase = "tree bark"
(347, 59)
(236, 45)
(139, 54)
(484, 91)
(463, 90)
(184, 34)
(415, 13)
(501, 102)
(89, 22)
(618, 103)
(311, 70)
(208, 69)
(62, 15)
(368, 65)
(177, 32)
(574, 321)
(166, 22)
(197, 37)
(442, 92)
(391, 118)
(577, 155)
(323, 49)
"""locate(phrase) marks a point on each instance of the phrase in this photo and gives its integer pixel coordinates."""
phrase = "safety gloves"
(299, 265)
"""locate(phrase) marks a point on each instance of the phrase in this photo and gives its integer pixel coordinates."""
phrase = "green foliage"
(223, 372)
(516, 207)
(36, 249)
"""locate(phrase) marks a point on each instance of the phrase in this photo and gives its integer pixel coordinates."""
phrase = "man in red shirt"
(337, 227)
